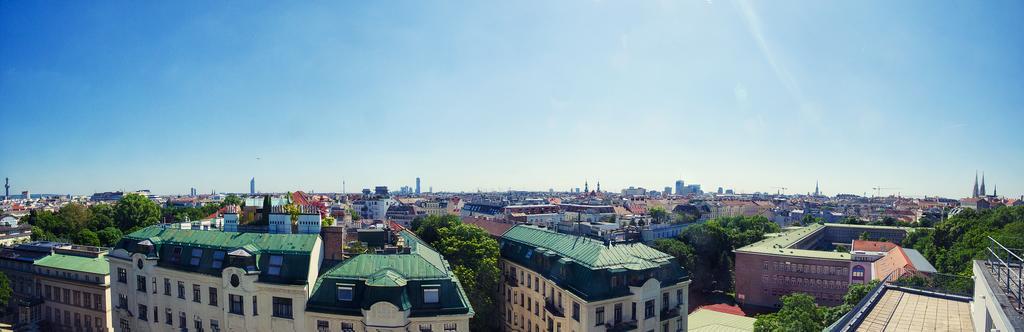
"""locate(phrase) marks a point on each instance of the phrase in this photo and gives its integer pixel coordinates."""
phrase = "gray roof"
(920, 263)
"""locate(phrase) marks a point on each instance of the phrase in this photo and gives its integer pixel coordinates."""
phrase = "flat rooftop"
(783, 243)
(897, 310)
(704, 320)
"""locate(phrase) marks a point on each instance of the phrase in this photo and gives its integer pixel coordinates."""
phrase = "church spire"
(982, 190)
(586, 188)
(975, 192)
(598, 185)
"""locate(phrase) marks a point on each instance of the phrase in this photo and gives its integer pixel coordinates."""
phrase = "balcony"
(669, 313)
(553, 310)
(621, 326)
(511, 281)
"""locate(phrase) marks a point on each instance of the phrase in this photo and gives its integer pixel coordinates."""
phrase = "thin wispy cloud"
(753, 22)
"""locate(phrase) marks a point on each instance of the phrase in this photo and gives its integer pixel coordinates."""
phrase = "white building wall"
(280, 223)
(986, 312)
(309, 224)
(230, 222)
(156, 299)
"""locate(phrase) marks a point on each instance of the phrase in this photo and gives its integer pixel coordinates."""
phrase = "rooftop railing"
(939, 283)
(1007, 268)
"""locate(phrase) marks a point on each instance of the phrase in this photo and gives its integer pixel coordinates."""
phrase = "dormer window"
(276, 261)
(176, 254)
(197, 255)
(218, 259)
(431, 295)
(242, 258)
(345, 293)
(145, 247)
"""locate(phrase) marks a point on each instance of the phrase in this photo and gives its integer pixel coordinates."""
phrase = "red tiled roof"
(494, 228)
(725, 309)
(895, 261)
(879, 246)
(299, 198)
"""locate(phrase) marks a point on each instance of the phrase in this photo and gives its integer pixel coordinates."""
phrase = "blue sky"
(489, 95)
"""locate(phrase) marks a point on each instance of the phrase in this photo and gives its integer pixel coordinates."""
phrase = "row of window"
(807, 268)
(195, 257)
(431, 294)
(197, 290)
(80, 321)
(528, 324)
(73, 297)
(325, 326)
(143, 315)
(804, 282)
(68, 275)
(281, 306)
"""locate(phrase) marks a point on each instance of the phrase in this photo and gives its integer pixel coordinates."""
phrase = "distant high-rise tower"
(7, 188)
(252, 186)
(417, 186)
(975, 192)
(679, 187)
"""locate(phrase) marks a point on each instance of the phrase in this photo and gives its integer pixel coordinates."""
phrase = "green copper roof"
(398, 278)
(98, 265)
(366, 265)
(179, 249)
(273, 243)
(422, 262)
(386, 278)
(589, 252)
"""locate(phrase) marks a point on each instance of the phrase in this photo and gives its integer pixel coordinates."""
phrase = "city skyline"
(737, 95)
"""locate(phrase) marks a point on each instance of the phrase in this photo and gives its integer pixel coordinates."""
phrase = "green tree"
(102, 217)
(40, 234)
(266, 210)
(356, 248)
(474, 255)
(799, 313)
(232, 199)
(109, 236)
(849, 220)
(681, 251)
(659, 214)
(429, 228)
(293, 211)
(954, 242)
(809, 219)
(856, 292)
(327, 222)
(75, 215)
(5, 290)
(683, 218)
(86, 237)
(135, 211)
(712, 251)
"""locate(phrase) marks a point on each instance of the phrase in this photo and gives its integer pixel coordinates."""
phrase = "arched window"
(858, 272)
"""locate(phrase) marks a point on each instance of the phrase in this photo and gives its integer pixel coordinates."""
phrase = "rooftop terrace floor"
(902, 311)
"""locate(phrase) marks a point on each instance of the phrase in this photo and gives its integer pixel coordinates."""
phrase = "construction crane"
(780, 189)
(878, 190)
